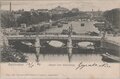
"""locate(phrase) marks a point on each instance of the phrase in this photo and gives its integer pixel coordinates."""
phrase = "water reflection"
(60, 55)
(52, 54)
(64, 58)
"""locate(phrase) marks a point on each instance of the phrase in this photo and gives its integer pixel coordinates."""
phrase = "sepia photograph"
(60, 39)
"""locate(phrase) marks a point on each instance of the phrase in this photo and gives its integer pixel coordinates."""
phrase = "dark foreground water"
(52, 54)
(61, 55)
(64, 58)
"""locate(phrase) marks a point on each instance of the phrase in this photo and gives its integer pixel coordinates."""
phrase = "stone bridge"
(38, 38)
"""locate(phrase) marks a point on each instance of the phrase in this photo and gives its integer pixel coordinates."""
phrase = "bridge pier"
(37, 48)
(69, 48)
(5, 41)
(102, 41)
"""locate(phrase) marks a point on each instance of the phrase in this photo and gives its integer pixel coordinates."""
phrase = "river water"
(56, 55)
(64, 58)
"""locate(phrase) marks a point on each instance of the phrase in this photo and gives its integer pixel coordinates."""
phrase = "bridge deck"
(61, 37)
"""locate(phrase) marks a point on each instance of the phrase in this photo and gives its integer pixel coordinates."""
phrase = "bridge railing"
(41, 33)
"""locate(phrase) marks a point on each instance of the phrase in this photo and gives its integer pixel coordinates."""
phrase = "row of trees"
(36, 18)
(113, 17)
(9, 54)
(111, 23)
(9, 19)
(64, 15)
(33, 18)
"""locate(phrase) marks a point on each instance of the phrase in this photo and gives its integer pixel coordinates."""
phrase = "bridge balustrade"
(41, 33)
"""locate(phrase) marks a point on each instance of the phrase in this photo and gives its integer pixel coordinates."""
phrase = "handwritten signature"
(82, 65)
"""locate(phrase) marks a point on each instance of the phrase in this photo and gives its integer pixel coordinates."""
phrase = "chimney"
(10, 7)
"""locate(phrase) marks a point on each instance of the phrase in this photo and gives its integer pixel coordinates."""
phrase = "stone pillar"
(5, 41)
(37, 47)
(69, 48)
(102, 42)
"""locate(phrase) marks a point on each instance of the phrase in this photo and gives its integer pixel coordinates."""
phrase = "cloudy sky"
(84, 5)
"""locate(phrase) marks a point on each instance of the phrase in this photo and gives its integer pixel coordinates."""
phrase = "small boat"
(110, 58)
(56, 44)
(86, 45)
(26, 43)
(91, 47)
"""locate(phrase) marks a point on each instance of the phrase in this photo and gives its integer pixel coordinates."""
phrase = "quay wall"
(112, 47)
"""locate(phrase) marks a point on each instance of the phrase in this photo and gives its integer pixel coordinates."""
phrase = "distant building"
(17, 15)
(59, 10)
(39, 11)
(75, 10)
(21, 11)
(43, 10)
(95, 14)
(32, 10)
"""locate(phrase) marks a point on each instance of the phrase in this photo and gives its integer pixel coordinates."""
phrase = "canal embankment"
(112, 45)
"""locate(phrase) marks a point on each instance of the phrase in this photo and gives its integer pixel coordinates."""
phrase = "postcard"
(59, 39)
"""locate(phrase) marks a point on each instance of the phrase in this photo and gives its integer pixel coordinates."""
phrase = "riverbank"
(1, 39)
(115, 40)
(112, 44)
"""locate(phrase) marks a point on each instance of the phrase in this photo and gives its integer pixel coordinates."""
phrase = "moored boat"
(110, 58)
(86, 45)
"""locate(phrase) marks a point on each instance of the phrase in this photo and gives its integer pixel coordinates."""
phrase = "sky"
(83, 5)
